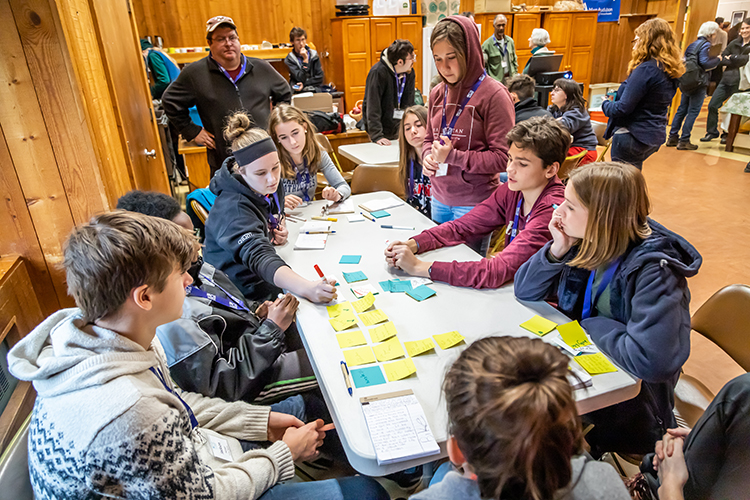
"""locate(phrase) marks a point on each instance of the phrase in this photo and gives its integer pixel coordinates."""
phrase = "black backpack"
(695, 76)
(326, 123)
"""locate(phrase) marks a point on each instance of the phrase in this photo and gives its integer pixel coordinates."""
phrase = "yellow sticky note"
(338, 309)
(383, 332)
(359, 356)
(373, 317)
(388, 350)
(351, 339)
(399, 369)
(364, 303)
(448, 340)
(595, 363)
(343, 321)
(418, 347)
(540, 326)
(573, 335)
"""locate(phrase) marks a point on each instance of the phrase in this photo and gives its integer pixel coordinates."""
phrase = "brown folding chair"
(599, 129)
(569, 164)
(371, 178)
(325, 145)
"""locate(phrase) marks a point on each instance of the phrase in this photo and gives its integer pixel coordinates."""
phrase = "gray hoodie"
(104, 424)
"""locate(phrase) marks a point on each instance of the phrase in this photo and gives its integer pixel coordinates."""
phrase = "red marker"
(320, 273)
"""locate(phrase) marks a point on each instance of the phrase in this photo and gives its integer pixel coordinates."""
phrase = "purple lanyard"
(226, 73)
(304, 180)
(400, 86)
(589, 303)
(193, 420)
(272, 220)
(411, 178)
(503, 49)
(514, 229)
(232, 302)
(448, 131)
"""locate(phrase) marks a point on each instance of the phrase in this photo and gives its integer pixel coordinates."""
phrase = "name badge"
(504, 63)
(220, 448)
(442, 170)
(398, 114)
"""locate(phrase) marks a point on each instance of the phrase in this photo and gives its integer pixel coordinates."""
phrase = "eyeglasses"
(555, 89)
(225, 39)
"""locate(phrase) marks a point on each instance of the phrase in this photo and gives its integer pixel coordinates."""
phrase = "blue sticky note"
(386, 286)
(421, 293)
(365, 377)
(399, 286)
(355, 276)
(350, 259)
(379, 213)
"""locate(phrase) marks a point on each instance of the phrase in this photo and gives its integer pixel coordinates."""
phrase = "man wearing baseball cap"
(219, 84)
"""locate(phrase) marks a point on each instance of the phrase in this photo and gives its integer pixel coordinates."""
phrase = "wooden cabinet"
(573, 34)
(523, 25)
(358, 43)
(488, 29)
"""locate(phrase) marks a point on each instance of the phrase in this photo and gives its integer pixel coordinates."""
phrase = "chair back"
(599, 129)
(324, 143)
(14, 466)
(372, 178)
(320, 101)
(724, 319)
(569, 164)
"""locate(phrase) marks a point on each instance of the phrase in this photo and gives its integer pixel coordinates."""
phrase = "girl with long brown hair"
(301, 158)
(638, 114)
(515, 429)
(623, 276)
(411, 133)
(569, 107)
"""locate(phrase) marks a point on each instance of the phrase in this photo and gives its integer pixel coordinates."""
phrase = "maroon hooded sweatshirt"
(480, 149)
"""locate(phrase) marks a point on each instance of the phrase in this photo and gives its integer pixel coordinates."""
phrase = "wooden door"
(558, 27)
(579, 62)
(356, 41)
(523, 25)
(126, 72)
(583, 30)
(382, 34)
(410, 28)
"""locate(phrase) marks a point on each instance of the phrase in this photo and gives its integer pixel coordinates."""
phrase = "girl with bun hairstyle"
(624, 277)
(247, 219)
(515, 430)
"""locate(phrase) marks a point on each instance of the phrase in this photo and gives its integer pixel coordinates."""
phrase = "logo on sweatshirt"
(244, 238)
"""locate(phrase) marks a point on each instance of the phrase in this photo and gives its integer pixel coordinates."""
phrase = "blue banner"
(609, 10)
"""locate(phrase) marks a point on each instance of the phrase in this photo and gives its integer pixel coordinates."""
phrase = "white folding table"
(371, 153)
(474, 313)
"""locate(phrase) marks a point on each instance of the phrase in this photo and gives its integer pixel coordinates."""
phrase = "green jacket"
(493, 58)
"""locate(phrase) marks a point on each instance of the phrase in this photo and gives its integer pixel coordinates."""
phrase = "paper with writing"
(364, 303)
(359, 356)
(365, 377)
(351, 339)
(388, 350)
(418, 347)
(448, 340)
(382, 332)
(399, 369)
(343, 321)
(373, 317)
(337, 309)
(595, 363)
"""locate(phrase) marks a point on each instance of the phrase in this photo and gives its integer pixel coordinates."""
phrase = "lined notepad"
(398, 427)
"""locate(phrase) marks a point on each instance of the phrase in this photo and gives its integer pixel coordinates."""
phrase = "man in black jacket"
(219, 84)
(303, 63)
(389, 90)
(521, 88)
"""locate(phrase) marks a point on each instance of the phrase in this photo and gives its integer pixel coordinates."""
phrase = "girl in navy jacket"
(623, 276)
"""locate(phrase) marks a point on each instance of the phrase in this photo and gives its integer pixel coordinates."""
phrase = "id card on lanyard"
(514, 228)
(447, 130)
(304, 180)
(398, 113)
(273, 221)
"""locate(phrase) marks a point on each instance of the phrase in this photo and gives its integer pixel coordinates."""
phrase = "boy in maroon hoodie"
(465, 148)
(537, 148)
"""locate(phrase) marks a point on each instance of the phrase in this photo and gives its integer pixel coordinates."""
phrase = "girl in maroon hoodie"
(465, 147)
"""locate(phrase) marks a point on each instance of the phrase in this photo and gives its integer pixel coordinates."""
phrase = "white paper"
(382, 204)
(341, 207)
(398, 114)
(315, 225)
(362, 290)
(220, 447)
(398, 429)
(310, 241)
(442, 170)
(415, 282)
(355, 218)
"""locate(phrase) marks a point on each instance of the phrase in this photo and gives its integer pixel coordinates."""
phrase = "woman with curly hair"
(638, 113)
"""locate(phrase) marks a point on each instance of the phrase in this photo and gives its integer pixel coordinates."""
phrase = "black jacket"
(202, 84)
(738, 57)
(237, 235)
(309, 73)
(528, 108)
(380, 99)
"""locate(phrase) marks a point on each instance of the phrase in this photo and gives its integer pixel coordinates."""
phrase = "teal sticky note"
(379, 213)
(399, 286)
(386, 286)
(365, 377)
(350, 259)
(354, 277)
(421, 293)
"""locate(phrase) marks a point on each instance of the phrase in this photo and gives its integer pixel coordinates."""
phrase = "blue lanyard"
(448, 131)
(588, 303)
(400, 86)
(232, 302)
(503, 49)
(193, 420)
(411, 178)
(226, 73)
(304, 180)
(272, 220)
(514, 230)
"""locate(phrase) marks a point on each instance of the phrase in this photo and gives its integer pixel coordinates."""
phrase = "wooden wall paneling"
(126, 75)
(77, 24)
(558, 26)
(335, 71)
(523, 25)
(29, 144)
(46, 56)
(700, 12)
(321, 34)
(356, 45)
(410, 28)
(19, 236)
(382, 34)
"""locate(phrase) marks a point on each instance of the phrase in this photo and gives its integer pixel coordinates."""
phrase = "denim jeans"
(690, 106)
(722, 92)
(628, 149)
(441, 472)
(442, 213)
(346, 488)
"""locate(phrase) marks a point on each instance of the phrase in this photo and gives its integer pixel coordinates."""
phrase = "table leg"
(734, 126)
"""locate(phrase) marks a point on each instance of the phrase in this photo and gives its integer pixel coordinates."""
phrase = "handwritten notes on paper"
(364, 303)
(399, 369)
(359, 356)
(338, 309)
(540, 326)
(388, 350)
(355, 276)
(343, 321)
(418, 347)
(573, 335)
(351, 339)
(373, 317)
(362, 290)
(382, 332)
(595, 363)
(368, 376)
(448, 340)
